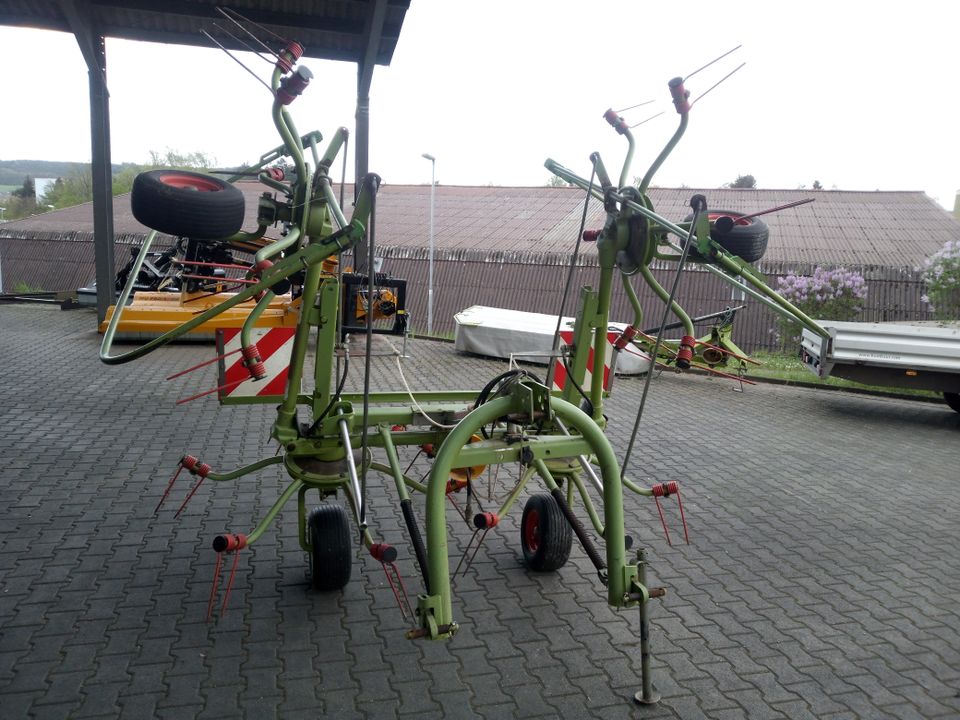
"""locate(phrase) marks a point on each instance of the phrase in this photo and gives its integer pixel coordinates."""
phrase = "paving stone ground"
(822, 581)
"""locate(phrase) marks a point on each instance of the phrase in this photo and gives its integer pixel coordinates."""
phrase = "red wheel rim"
(531, 530)
(736, 220)
(190, 182)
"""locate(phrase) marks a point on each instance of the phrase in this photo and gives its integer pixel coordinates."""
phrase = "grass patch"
(790, 369)
(22, 288)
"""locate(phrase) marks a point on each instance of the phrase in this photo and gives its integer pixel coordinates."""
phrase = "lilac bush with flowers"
(836, 294)
(941, 276)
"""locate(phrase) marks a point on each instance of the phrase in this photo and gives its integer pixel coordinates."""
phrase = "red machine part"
(628, 334)
(223, 544)
(288, 57)
(456, 484)
(680, 95)
(292, 86)
(665, 490)
(194, 467)
(485, 520)
(685, 353)
(257, 271)
(618, 123)
(253, 362)
(383, 552)
(386, 554)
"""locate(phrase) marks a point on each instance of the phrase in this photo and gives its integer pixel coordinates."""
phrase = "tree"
(184, 161)
(73, 189)
(744, 181)
(27, 191)
(16, 207)
(817, 185)
(77, 187)
(557, 181)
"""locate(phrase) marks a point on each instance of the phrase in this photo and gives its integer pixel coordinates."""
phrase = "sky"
(856, 95)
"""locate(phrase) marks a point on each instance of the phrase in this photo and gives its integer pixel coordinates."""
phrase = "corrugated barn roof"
(890, 229)
(510, 247)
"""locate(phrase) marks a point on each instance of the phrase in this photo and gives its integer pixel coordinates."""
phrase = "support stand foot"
(652, 699)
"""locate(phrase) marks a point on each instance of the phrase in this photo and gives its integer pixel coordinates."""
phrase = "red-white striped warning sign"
(275, 346)
(560, 372)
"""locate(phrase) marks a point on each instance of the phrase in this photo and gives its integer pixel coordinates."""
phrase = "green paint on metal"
(245, 470)
(541, 432)
(255, 534)
(325, 321)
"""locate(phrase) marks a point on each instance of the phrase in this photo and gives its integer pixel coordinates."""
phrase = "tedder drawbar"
(329, 439)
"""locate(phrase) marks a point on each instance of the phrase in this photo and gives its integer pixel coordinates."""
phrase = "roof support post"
(102, 170)
(93, 48)
(365, 65)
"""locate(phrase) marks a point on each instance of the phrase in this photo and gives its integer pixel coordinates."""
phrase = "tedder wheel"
(744, 237)
(545, 534)
(331, 552)
(953, 400)
(187, 204)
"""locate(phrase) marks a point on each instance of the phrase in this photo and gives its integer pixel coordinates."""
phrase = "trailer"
(918, 355)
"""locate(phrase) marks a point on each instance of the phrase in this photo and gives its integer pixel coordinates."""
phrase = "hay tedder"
(331, 440)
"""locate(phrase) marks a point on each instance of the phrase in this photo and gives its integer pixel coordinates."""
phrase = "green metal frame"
(547, 433)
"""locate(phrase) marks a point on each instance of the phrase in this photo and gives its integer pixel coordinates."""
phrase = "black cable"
(343, 172)
(367, 358)
(336, 395)
(483, 394)
(576, 386)
(573, 266)
(493, 387)
(699, 205)
(416, 539)
(488, 388)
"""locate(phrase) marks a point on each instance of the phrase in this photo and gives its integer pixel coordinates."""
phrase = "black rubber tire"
(545, 535)
(331, 549)
(187, 204)
(747, 239)
(953, 400)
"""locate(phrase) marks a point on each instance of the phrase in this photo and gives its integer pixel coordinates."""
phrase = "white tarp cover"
(496, 332)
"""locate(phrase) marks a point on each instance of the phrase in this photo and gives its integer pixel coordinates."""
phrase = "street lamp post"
(433, 187)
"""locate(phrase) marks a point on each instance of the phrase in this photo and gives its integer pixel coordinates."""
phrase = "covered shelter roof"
(328, 29)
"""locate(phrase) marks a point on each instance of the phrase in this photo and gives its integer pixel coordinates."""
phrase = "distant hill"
(14, 172)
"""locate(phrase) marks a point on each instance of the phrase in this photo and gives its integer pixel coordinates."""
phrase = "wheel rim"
(531, 530)
(183, 181)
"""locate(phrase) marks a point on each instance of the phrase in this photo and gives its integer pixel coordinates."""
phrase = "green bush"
(836, 294)
(941, 276)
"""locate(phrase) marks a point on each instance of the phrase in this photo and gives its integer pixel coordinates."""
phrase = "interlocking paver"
(822, 580)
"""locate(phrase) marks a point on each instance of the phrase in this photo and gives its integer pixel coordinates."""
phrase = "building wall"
(535, 284)
(57, 261)
(527, 281)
